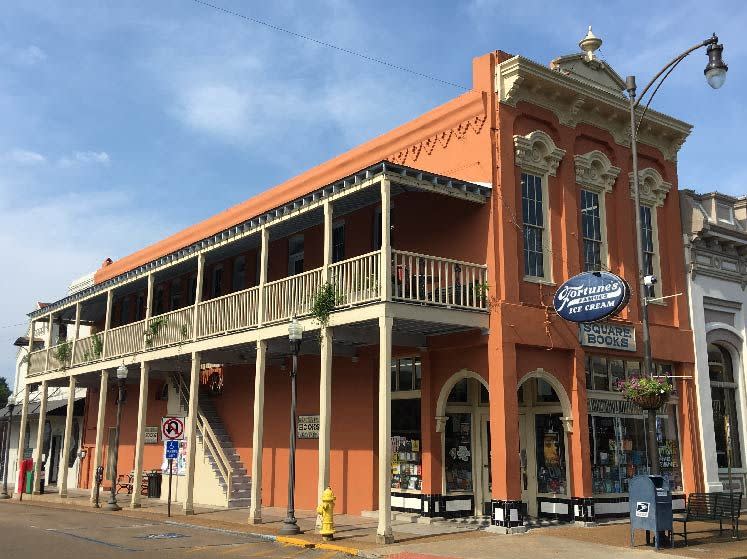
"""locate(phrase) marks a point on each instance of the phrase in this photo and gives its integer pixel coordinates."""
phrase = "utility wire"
(330, 45)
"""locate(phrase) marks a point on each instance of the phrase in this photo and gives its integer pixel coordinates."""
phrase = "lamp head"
(11, 401)
(122, 372)
(715, 70)
(295, 331)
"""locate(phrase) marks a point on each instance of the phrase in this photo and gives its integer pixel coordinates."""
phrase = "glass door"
(487, 481)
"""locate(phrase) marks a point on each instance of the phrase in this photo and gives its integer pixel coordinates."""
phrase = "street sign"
(172, 428)
(172, 450)
(591, 296)
(151, 434)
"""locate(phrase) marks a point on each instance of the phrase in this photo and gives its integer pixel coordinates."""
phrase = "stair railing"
(210, 440)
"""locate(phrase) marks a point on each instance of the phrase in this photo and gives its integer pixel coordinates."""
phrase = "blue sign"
(591, 296)
(172, 450)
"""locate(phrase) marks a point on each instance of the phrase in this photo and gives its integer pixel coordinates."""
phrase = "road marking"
(92, 540)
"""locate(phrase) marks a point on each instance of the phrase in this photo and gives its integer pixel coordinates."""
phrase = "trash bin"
(30, 482)
(154, 484)
(650, 506)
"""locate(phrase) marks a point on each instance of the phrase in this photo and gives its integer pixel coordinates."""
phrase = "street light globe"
(11, 400)
(715, 70)
(122, 372)
(295, 331)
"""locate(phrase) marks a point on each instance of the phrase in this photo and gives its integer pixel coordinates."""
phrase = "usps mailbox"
(650, 506)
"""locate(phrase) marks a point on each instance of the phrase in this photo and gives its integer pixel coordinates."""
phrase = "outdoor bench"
(711, 507)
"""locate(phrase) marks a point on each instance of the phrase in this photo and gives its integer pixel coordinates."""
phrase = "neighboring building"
(443, 383)
(57, 401)
(715, 232)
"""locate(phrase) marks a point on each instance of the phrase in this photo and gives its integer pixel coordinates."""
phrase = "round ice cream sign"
(591, 296)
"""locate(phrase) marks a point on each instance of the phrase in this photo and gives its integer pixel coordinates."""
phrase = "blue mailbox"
(650, 507)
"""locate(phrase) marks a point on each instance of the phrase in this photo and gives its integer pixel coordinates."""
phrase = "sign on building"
(151, 434)
(605, 335)
(307, 427)
(591, 296)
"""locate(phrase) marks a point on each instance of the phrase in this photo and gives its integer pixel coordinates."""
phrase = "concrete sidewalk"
(356, 535)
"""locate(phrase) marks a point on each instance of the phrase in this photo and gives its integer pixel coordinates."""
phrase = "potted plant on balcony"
(63, 353)
(649, 393)
(324, 303)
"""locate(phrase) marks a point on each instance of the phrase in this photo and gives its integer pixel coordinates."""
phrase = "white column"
(386, 242)
(384, 530)
(22, 434)
(63, 468)
(325, 373)
(198, 293)
(255, 511)
(191, 429)
(100, 419)
(325, 409)
(107, 321)
(40, 436)
(142, 412)
(76, 333)
(49, 340)
(703, 392)
(149, 296)
(264, 245)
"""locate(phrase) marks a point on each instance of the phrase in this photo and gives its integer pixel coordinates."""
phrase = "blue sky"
(123, 122)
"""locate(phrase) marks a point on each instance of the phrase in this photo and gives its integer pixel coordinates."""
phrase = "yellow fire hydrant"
(326, 510)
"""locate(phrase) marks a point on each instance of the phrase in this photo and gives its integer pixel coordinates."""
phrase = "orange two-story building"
(435, 377)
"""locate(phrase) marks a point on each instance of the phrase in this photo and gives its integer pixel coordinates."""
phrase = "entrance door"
(53, 461)
(527, 461)
(487, 482)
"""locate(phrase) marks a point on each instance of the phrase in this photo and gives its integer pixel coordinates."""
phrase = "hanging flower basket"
(649, 393)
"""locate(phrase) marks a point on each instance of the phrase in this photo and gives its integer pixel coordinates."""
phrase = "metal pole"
(290, 525)
(112, 504)
(4, 494)
(171, 471)
(653, 449)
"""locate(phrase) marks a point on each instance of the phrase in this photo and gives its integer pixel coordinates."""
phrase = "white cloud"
(84, 157)
(219, 109)
(24, 157)
(28, 56)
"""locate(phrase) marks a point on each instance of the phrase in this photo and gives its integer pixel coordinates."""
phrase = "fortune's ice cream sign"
(591, 296)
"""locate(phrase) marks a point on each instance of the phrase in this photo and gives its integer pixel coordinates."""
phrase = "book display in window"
(407, 469)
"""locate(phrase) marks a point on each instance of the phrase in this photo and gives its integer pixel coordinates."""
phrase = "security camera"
(648, 281)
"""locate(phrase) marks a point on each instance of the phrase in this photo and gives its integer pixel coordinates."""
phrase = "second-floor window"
(124, 316)
(647, 237)
(295, 255)
(338, 242)
(591, 228)
(176, 294)
(140, 308)
(239, 274)
(159, 300)
(533, 212)
(192, 290)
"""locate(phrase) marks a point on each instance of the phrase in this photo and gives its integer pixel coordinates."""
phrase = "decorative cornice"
(654, 189)
(573, 101)
(537, 153)
(595, 172)
(412, 153)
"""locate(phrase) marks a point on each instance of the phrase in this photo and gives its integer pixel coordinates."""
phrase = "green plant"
(64, 353)
(153, 329)
(185, 331)
(482, 289)
(323, 303)
(97, 346)
(647, 392)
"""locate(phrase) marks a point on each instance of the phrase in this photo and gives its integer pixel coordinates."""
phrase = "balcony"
(416, 279)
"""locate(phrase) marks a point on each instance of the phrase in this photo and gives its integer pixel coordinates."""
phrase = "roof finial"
(589, 44)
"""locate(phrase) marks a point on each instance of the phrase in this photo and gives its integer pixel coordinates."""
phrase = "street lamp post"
(290, 526)
(121, 378)
(6, 465)
(715, 73)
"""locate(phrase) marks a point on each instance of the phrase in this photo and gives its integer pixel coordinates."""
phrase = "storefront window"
(459, 451)
(406, 374)
(619, 450)
(603, 373)
(724, 402)
(551, 475)
(407, 470)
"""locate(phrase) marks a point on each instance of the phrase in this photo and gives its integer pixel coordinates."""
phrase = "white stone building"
(715, 234)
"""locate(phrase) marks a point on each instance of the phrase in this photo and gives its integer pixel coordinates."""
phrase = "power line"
(330, 45)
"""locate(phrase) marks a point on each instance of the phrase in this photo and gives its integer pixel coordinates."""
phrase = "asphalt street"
(37, 532)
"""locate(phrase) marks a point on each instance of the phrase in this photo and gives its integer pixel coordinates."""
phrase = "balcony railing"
(416, 278)
(229, 313)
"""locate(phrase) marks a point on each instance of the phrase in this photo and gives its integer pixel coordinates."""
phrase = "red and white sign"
(172, 428)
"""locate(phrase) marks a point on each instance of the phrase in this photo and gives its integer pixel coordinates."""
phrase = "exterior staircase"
(241, 483)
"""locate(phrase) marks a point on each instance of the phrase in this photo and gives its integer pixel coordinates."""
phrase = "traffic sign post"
(172, 428)
(172, 451)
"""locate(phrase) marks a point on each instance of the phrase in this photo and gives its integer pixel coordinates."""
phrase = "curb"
(296, 542)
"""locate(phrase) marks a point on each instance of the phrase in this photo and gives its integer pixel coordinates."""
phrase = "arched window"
(724, 403)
